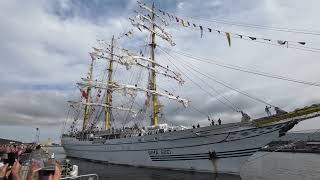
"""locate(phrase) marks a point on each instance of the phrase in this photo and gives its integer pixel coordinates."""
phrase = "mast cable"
(246, 70)
(209, 93)
(228, 86)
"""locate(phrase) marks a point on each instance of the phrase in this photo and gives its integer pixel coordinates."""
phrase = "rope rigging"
(243, 69)
(256, 26)
(226, 85)
(230, 105)
(298, 45)
(191, 71)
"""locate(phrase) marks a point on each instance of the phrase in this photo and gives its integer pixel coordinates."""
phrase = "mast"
(128, 59)
(109, 91)
(153, 86)
(86, 108)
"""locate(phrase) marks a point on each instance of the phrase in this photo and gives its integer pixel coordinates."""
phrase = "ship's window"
(155, 138)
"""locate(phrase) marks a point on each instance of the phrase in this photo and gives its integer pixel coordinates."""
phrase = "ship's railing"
(82, 177)
(313, 110)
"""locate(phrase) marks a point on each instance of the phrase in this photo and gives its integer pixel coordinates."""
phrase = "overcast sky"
(44, 51)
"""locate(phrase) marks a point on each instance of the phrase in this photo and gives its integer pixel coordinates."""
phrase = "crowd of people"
(17, 148)
(212, 123)
(13, 172)
(11, 158)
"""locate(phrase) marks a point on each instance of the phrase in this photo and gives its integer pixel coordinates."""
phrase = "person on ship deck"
(267, 110)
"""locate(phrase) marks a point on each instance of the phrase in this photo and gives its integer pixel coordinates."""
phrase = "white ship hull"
(229, 145)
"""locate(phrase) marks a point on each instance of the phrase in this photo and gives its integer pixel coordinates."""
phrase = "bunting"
(201, 29)
(92, 55)
(228, 35)
(84, 93)
(128, 34)
(229, 38)
(183, 24)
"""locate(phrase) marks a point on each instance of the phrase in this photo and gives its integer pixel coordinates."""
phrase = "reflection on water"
(117, 172)
(107, 171)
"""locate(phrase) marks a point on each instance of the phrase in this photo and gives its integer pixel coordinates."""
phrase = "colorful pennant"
(186, 23)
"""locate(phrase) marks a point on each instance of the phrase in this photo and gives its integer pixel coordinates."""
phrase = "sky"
(44, 51)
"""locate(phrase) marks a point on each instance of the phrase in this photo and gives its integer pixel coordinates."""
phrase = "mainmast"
(125, 57)
(109, 90)
(87, 97)
(153, 85)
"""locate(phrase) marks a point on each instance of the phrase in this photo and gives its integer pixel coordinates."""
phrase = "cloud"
(44, 52)
(45, 108)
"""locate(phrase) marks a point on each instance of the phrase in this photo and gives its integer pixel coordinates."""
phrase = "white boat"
(216, 148)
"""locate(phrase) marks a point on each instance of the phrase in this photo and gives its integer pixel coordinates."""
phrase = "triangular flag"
(209, 29)
(92, 55)
(96, 49)
(84, 94)
(194, 25)
(182, 22)
(252, 38)
(281, 42)
(177, 19)
(229, 38)
(302, 43)
(169, 16)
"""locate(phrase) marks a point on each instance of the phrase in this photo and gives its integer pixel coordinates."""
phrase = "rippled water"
(117, 172)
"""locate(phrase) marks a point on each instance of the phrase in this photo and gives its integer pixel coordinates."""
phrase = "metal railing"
(82, 177)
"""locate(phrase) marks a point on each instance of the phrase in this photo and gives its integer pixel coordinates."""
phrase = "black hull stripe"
(202, 155)
(201, 158)
(182, 159)
(172, 157)
(218, 153)
(150, 141)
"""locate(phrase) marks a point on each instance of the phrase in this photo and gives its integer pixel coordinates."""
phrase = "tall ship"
(123, 121)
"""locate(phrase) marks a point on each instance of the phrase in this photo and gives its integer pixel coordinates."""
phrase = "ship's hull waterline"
(216, 149)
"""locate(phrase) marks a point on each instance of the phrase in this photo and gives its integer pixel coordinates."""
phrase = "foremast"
(87, 95)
